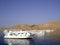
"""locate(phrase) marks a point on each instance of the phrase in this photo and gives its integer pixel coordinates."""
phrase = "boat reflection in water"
(17, 41)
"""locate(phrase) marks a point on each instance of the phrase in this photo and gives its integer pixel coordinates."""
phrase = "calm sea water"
(36, 40)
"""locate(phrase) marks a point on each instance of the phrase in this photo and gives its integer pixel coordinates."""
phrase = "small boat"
(17, 34)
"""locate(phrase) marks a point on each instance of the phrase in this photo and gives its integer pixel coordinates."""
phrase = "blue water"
(44, 40)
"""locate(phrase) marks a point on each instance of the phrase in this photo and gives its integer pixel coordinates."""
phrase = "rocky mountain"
(55, 25)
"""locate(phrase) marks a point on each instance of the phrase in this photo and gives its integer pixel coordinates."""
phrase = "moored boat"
(17, 34)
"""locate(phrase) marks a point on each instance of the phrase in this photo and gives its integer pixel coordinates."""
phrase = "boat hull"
(16, 38)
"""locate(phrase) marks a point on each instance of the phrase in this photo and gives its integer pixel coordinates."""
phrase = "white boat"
(17, 34)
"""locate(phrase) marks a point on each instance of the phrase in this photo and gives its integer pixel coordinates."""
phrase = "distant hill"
(55, 25)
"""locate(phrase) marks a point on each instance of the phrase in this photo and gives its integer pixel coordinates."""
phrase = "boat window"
(15, 34)
(18, 33)
(11, 34)
(21, 33)
(25, 34)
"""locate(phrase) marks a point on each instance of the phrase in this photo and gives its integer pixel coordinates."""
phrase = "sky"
(14, 12)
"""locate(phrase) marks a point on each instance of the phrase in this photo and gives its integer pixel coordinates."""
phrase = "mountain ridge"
(53, 25)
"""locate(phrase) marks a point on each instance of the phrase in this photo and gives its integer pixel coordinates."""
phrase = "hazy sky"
(14, 12)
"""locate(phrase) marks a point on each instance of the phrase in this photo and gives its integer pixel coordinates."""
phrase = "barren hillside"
(55, 25)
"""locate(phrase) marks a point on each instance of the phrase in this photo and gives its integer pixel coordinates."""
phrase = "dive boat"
(16, 34)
